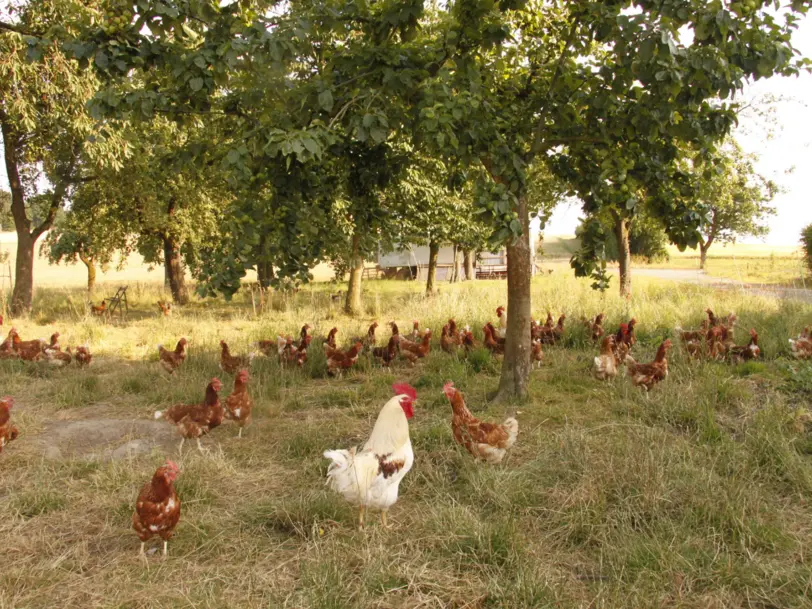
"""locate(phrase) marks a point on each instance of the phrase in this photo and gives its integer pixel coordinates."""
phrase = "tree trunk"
(434, 252)
(457, 275)
(265, 274)
(23, 295)
(516, 365)
(469, 259)
(91, 274)
(174, 270)
(624, 255)
(353, 305)
(703, 255)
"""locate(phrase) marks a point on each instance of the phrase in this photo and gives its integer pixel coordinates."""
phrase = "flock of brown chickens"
(157, 510)
(39, 349)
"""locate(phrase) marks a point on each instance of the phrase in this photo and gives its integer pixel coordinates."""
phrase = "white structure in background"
(414, 260)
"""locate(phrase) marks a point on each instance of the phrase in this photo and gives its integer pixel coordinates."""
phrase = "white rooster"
(369, 478)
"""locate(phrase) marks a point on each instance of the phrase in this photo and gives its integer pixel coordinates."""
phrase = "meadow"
(695, 496)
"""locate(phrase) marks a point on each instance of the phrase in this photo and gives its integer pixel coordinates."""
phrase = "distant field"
(748, 263)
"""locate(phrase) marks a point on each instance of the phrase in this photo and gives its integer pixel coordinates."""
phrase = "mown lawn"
(697, 496)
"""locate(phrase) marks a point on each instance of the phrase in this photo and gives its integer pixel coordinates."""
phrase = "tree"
(647, 239)
(806, 241)
(737, 196)
(46, 131)
(90, 232)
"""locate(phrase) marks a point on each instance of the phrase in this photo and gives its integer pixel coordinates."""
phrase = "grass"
(697, 496)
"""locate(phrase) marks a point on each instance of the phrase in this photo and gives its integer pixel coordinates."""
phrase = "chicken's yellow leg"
(385, 524)
(166, 545)
(361, 517)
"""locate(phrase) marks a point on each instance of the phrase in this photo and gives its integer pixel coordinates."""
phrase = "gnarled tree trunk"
(469, 258)
(174, 271)
(624, 254)
(434, 252)
(23, 295)
(516, 365)
(353, 305)
(456, 274)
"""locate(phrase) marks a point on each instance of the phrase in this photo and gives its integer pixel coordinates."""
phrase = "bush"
(806, 239)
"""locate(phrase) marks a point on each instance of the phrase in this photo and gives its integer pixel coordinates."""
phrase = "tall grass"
(695, 496)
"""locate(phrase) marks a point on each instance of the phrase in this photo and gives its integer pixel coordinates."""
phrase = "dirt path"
(702, 278)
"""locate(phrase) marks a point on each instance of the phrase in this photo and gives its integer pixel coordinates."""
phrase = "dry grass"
(696, 497)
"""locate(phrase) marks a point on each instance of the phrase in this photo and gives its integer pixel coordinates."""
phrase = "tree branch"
(10, 27)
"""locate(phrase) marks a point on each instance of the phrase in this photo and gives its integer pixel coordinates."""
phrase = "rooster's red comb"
(404, 389)
(449, 388)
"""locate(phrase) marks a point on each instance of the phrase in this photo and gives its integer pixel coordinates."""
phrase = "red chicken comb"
(8, 401)
(449, 389)
(172, 465)
(405, 389)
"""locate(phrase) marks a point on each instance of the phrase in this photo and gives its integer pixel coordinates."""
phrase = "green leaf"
(326, 100)
(196, 83)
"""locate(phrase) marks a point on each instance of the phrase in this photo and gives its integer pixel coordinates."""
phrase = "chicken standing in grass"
(750, 351)
(157, 509)
(370, 478)
(196, 420)
(486, 441)
(239, 404)
(648, 375)
(8, 432)
(171, 360)
(231, 363)
(83, 356)
(802, 346)
(605, 365)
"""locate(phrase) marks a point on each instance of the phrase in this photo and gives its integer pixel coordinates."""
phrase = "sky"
(784, 156)
(789, 149)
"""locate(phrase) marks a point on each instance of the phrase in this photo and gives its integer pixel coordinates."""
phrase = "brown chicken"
(196, 420)
(55, 356)
(620, 346)
(693, 340)
(486, 441)
(98, 311)
(550, 335)
(447, 344)
(171, 360)
(338, 360)
(491, 343)
(595, 328)
(604, 366)
(231, 363)
(417, 350)
(536, 353)
(453, 332)
(82, 356)
(630, 337)
(7, 431)
(369, 340)
(388, 353)
(746, 352)
(394, 327)
(416, 335)
(290, 353)
(157, 509)
(28, 350)
(467, 339)
(802, 346)
(239, 403)
(165, 307)
(648, 375)
(331, 338)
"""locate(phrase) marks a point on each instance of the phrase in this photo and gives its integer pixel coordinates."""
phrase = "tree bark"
(703, 255)
(91, 274)
(705, 244)
(353, 305)
(434, 252)
(457, 274)
(469, 258)
(173, 264)
(516, 364)
(23, 294)
(624, 255)
(265, 274)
